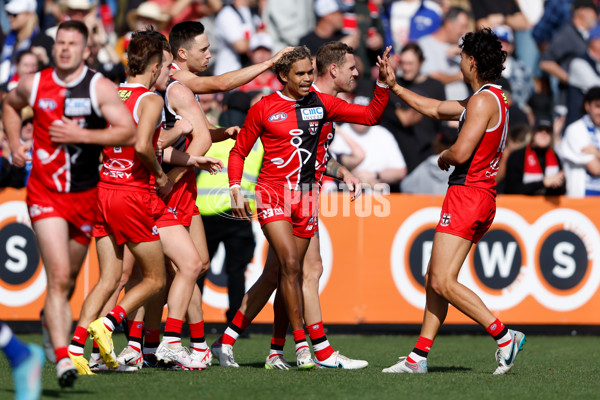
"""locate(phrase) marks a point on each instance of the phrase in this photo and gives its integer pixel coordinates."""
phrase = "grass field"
(460, 367)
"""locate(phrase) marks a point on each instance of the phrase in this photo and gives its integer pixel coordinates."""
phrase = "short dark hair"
(592, 94)
(72, 25)
(416, 48)
(284, 65)
(25, 53)
(143, 49)
(485, 47)
(183, 33)
(332, 53)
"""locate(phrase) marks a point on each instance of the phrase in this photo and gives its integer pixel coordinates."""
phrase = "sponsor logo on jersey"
(125, 94)
(47, 104)
(309, 114)
(78, 107)
(277, 117)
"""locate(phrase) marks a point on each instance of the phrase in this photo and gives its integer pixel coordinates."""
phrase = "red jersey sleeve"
(341, 111)
(246, 137)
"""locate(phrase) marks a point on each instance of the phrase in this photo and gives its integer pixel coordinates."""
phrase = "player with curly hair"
(470, 203)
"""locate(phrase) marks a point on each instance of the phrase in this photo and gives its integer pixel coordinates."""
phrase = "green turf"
(460, 367)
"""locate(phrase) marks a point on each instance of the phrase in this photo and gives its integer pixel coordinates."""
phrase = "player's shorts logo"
(280, 116)
(445, 219)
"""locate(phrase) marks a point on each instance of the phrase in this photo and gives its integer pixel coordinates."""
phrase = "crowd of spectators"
(552, 72)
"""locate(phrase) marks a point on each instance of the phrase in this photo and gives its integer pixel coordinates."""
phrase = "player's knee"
(109, 283)
(60, 282)
(290, 268)
(205, 266)
(156, 283)
(312, 271)
(438, 285)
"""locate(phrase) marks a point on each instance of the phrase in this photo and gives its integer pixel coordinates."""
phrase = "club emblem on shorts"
(445, 219)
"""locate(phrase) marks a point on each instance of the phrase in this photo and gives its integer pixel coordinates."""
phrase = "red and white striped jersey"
(64, 167)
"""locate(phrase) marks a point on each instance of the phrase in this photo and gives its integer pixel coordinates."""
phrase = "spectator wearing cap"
(145, 15)
(584, 73)
(580, 149)
(330, 21)
(261, 46)
(569, 42)
(536, 168)
(517, 73)
(25, 34)
(234, 26)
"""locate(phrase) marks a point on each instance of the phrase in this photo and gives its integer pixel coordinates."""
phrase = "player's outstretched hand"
(210, 164)
(381, 64)
(232, 132)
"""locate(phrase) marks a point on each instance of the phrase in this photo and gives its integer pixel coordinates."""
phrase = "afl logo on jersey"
(47, 104)
(280, 116)
(309, 114)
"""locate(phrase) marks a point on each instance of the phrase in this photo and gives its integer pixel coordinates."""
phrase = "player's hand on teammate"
(240, 207)
(66, 131)
(390, 74)
(275, 59)
(169, 136)
(382, 65)
(164, 185)
(209, 164)
(444, 166)
(232, 132)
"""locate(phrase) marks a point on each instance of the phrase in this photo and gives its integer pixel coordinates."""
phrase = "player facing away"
(73, 107)
(470, 203)
(336, 73)
(290, 125)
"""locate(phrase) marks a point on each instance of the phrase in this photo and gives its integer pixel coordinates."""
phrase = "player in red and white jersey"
(470, 203)
(336, 73)
(72, 107)
(290, 125)
(128, 204)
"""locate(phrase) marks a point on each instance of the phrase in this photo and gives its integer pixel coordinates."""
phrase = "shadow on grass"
(448, 369)
(65, 393)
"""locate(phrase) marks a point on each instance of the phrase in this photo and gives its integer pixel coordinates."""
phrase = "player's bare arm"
(184, 103)
(433, 108)
(176, 157)
(484, 107)
(121, 130)
(220, 134)
(149, 116)
(169, 136)
(16, 100)
(227, 81)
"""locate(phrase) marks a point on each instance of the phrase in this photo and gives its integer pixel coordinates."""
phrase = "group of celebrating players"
(151, 133)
